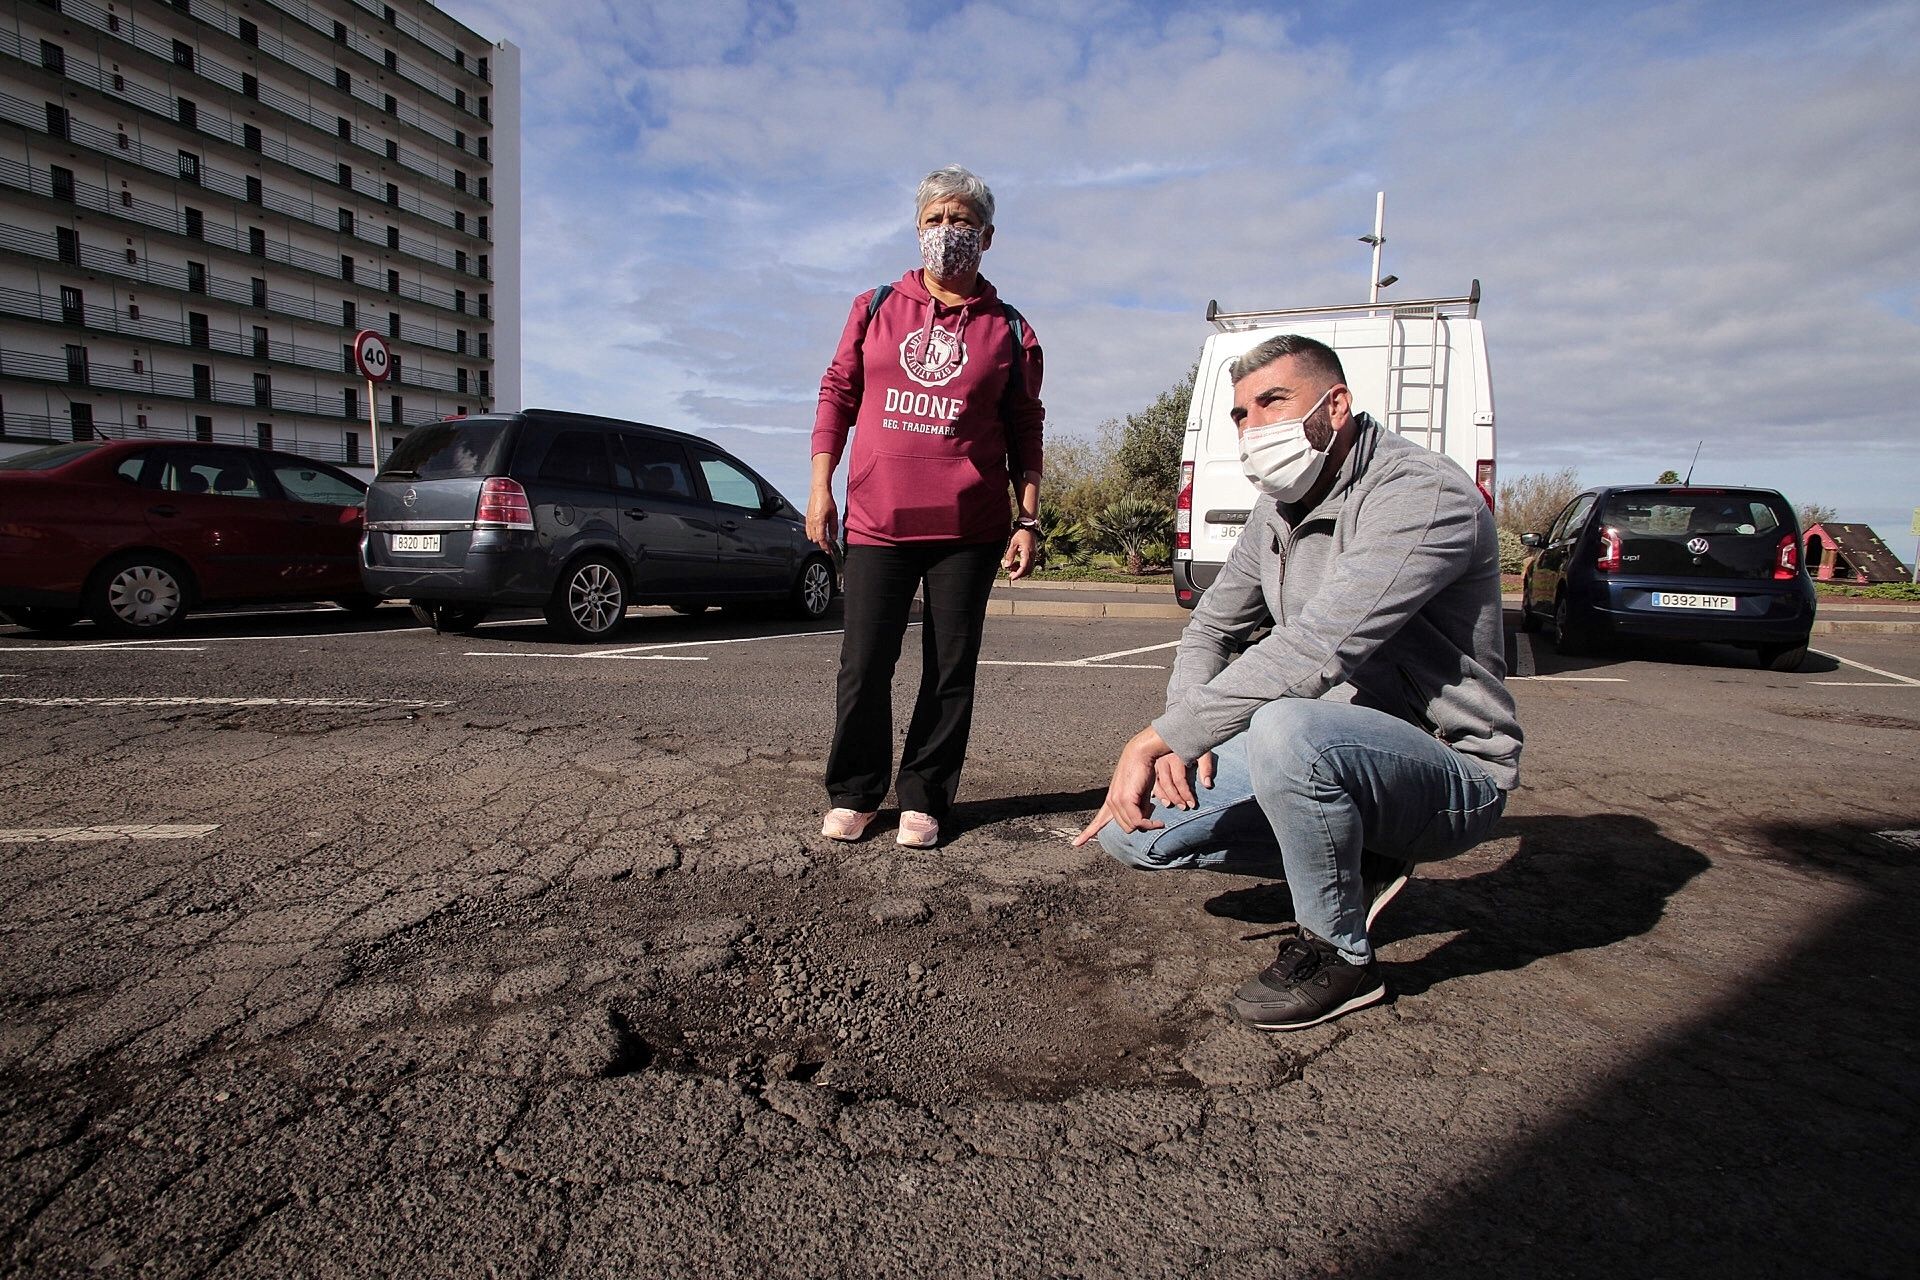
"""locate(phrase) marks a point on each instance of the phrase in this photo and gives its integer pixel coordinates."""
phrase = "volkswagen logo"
(1696, 545)
(412, 496)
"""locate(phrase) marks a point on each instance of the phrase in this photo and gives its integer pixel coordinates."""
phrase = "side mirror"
(772, 503)
(1532, 540)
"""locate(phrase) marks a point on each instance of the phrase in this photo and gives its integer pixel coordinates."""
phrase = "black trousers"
(955, 580)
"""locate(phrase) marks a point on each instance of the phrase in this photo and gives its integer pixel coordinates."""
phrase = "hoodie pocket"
(924, 496)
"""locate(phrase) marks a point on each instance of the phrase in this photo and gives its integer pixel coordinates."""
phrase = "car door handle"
(638, 513)
(729, 525)
(168, 512)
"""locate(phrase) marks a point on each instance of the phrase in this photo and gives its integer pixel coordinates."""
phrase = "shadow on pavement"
(968, 814)
(1774, 1137)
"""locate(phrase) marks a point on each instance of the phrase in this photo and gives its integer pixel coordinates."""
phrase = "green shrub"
(1513, 552)
(1878, 591)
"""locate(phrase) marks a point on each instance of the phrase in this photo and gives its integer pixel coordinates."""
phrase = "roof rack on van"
(1229, 321)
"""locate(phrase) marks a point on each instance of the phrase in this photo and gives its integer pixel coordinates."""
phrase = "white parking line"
(647, 650)
(1097, 660)
(132, 831)
(1900, 681)
(364, 703)
(1575, 679)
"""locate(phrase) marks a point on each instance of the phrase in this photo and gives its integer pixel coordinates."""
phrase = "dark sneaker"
(1307, 984)
(1383, 878)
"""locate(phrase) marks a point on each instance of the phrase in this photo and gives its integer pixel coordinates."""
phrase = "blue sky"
(1693, 223)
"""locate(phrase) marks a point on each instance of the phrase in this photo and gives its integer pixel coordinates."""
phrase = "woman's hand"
(1022, 553)
(823, 519)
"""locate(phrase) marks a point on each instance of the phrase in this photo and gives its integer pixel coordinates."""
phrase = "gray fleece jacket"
(1386, 594)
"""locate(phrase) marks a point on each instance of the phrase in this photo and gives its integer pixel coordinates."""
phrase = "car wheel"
(43, 619)
(691, 610)
(138, 595)
(360, 606)
(1571, 638)
(451, 619)
(1529, 620)
(1783, 657)
(590, 601)
(813, 589)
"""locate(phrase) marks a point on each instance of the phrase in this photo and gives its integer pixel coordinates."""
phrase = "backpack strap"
(879, 296)
(1016, 326)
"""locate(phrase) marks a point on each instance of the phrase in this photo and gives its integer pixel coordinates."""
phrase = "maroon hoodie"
(942, 425)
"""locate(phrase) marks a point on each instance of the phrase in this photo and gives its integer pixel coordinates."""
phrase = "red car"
(136, 532)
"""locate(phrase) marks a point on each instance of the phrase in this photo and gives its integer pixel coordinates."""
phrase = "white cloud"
(1692, 221)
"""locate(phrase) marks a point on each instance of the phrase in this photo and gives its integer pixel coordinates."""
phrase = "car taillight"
(503, 505)
(1786, 561)
(1483, 476)
(1610, 551)
(1183, 512)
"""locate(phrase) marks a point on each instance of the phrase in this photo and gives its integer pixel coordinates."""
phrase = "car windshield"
(449, 450)
(1698, 533)
(54, 455)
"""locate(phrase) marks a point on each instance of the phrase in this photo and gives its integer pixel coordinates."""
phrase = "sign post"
(1914, 529)
(376, 362)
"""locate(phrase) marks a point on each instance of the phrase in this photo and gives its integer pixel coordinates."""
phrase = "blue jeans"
(1303, 790)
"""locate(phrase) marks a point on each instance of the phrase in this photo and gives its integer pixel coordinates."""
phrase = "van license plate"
(415, 541)
(1687, 600)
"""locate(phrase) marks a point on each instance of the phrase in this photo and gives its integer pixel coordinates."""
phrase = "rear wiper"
(404, 475)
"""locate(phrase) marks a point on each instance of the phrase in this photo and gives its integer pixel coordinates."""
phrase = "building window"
(72, 305)
(486, 387)
(263, 434)
(133, 257)
(56, 120)
(257, 241)
(483, 273)
(203, 382)
(484, 189)
(62, 183)
(250, 85)
(126, 198)
(139, 365)
(460, 260)
(343, 127)
(53, 58)
(250, 136)
(140, 421)
(485, 151)
(249, 34)
(346, 176)
(259, 292)
(460, 99)
(342, 81)
(350, 403)
(183, 54)
(196, 277)
(349, 314)
(121, 140)
(460, 139)
(76, 365)
(262, 349)
(346, 221)
(196, 223)
(203, 428)
(350, 440)
(197, 333)
(459, 180)
(460, 59)
(133, 311)
(80, 421)
(393, 331)
(263, 390)
(189, 166)
(459, 220)
(482, 308)
(392, 61)
(186, 112)
(486, 112)
(398, 411)
(393, 371)
(460, 380)
(393, 193)
(483, 228)
(346, 266)
(113, 23)
(393, 150)
(484, 73)
(460, 301)
(256, 191)
(483, 346)
(392, 105)
(393, 237)
(340, 31)
(346, 357)
(386, 11)
(460, 341)
(393, 281)
(119, 83)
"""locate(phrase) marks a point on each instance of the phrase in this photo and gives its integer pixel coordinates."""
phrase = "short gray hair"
(955, 181)
(1318, 358)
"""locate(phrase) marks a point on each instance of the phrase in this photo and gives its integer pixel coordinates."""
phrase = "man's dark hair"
(1317, 358)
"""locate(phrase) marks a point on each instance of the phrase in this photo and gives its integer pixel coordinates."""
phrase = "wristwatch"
(1029, 523)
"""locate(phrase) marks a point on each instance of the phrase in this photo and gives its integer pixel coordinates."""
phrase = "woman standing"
(939, 381)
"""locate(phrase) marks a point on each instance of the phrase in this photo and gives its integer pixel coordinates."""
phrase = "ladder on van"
(1414, 403)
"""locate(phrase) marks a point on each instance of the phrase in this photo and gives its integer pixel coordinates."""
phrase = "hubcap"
(594, 598)
(143, 595)
(817, 589)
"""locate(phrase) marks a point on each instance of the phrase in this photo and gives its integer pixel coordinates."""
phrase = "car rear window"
(53, 455)
(1698, 533)
(450, 450)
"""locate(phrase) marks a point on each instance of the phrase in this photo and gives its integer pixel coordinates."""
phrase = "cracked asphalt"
(511, 959)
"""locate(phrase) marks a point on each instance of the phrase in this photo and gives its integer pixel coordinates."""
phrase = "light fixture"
(1387, 280)
(1373, 239)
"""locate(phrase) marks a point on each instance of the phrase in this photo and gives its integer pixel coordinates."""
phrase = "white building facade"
(202, 201)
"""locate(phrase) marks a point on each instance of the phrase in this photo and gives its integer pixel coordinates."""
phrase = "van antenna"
(1696, 458)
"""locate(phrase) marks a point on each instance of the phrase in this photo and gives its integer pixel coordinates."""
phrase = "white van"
(1419, 368)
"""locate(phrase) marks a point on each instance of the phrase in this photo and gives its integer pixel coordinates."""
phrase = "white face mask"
(1278, 458)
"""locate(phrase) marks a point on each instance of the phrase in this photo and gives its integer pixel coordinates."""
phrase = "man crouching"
(1370, 728)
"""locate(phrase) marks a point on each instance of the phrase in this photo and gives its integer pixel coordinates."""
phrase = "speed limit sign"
(371, 355)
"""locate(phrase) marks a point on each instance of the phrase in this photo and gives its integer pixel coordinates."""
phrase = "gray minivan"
(579, 516)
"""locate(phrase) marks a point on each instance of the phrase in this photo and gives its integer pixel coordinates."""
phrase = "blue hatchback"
(1673, 562)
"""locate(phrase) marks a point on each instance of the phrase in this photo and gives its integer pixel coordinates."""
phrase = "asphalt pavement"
(341, 948)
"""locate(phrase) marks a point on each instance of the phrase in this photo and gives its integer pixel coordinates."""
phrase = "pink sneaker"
(917, 830)
(845, 824)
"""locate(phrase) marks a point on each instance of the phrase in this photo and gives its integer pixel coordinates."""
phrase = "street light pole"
(1378, 238)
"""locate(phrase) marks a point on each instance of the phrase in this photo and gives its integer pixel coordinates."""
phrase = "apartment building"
(202, 201)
